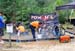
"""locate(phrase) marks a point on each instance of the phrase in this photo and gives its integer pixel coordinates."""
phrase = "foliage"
(20, 10)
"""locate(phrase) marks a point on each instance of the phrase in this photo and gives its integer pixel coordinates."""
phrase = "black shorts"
(1, 32)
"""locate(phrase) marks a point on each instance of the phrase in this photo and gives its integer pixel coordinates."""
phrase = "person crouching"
(20, 29)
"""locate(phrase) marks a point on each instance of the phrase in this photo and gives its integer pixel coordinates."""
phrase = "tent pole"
(71, 15)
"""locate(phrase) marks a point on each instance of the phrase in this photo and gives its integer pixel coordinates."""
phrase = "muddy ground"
(44, 45)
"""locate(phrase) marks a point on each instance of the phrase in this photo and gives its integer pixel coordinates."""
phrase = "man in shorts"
(1, 27)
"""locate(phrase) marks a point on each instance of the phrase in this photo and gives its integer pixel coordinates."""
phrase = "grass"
(67, 26)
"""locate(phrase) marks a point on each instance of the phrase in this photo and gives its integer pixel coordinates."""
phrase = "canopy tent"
(67, 7)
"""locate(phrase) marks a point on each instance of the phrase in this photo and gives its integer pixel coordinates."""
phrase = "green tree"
(20, 10)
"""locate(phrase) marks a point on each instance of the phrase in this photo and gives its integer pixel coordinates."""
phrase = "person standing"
(2, 25)
(57, 31)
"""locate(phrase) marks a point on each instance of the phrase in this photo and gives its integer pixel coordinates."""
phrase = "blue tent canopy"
(66, 6)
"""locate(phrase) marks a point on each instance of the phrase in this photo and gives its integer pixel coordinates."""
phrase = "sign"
(48, 18)
(9, 28)
(49, 22)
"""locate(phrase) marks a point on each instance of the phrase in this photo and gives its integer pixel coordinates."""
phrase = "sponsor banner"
(49, 22)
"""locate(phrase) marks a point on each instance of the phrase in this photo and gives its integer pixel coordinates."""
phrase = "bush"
(62, 20)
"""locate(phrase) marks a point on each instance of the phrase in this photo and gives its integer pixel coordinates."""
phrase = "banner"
(49, 21)
(9, 28)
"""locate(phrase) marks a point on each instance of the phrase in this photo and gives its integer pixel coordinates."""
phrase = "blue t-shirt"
(1, 22)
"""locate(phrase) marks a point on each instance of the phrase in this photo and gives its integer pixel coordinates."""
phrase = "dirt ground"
(44, 45)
